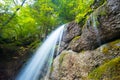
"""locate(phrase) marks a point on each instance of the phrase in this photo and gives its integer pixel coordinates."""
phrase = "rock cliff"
(91, 51)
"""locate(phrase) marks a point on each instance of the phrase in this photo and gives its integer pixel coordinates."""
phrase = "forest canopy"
(21, 20)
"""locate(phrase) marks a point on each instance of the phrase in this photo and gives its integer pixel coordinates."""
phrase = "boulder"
(102, 26)
(107, 71)
(70, 65)
(72, 29)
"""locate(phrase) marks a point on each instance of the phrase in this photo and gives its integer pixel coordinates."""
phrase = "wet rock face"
(103, 26)
(114, 6)
(72, 30)
(97, 3)
(70, 65)
(112, 69)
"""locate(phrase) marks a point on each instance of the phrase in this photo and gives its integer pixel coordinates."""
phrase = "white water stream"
(43, 56)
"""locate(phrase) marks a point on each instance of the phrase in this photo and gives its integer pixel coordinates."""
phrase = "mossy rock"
(76, 38)
(112, 46)
(94, 18)
(51, 69)
(97, 3)
(115, 44)
(105, 49)
(61, 58)
(107, 71)
(101, 10)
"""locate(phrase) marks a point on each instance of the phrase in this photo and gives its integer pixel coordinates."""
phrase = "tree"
(37, 19)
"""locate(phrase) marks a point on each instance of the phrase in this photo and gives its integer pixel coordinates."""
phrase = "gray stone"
(72, 30)
(70, 65)
(107, 27)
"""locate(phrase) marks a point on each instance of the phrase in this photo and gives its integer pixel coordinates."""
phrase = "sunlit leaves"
(72, 9)
(82, 9)
(39, 17)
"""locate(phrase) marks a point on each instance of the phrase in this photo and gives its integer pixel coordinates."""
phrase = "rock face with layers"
(94, 53)
(72, 30)
(70, 65)
(102, 26)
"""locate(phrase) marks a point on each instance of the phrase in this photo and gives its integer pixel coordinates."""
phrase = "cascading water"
(94, 19)
(42, 58)
(93, 22)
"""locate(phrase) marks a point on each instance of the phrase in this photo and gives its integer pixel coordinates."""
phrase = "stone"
(72, 29)
(107, 71)
(70, 65)
(102, 26)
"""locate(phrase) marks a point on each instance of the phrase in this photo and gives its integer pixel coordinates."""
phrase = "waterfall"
(94, 19)
(42, 58)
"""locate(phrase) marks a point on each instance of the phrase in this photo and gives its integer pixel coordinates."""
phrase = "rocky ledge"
(102, 63)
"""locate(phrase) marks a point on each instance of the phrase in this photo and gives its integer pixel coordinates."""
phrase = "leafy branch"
(5, 23)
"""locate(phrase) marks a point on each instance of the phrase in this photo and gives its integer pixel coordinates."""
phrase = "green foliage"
(83, 9)
(37, 19)
(69, 10)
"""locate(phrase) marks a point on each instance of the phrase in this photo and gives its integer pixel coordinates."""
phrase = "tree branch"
(5, 23)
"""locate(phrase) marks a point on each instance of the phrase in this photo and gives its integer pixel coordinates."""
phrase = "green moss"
(101, 11)
(98, 3)
(112, 46)
(97, 23)
(105, 49)
(115, 44)
(61, 57)
(51, 69)
(107, 71)
(82, 51)
(76, 38)
(116, 78)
